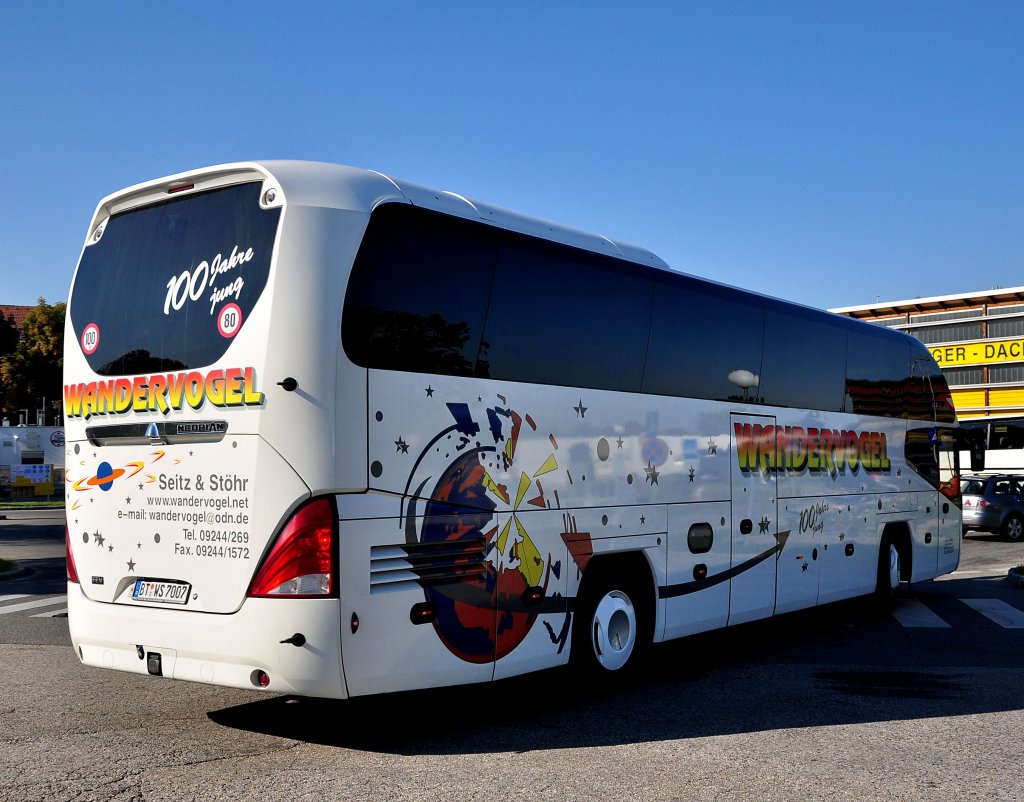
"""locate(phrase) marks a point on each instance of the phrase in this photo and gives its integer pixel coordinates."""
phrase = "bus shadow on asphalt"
(805, 669)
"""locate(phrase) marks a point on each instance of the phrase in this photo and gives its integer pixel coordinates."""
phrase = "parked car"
(994, 503)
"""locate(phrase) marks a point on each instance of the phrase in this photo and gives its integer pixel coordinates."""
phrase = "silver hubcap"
(894, 567)
(1014, 527)
(613, 630)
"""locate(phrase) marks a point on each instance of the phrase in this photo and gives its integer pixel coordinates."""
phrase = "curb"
(1016, 578)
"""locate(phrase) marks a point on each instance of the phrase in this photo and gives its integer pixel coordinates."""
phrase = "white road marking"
(14, 608)
(1006, 615)
(8, 596)
(913, 613)
(995, 573)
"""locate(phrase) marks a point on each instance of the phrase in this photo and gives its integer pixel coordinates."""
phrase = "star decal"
(712, 446)
(763, 524)
(619, 442)
(581, 411)
(652, 473)
(643, 520)
(128, 500)
(691, 474)
(430, 391)
(401, 445)
(140, 485)
(110, 548)
(131, 565)
(804, 567)
(98, 538)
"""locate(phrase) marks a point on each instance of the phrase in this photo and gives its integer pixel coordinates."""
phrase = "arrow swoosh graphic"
(684, 588)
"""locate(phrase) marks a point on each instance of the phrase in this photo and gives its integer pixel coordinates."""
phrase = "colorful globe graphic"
(480, 618)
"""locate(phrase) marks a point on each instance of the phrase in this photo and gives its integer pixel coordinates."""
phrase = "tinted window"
(698, 338)
(169, 285)
(927, 393)
(562, 317)
(921, 454)
(973, 487)
(804, 362)
(418, 294)
(435, 294)
(877, 369)
(1001, 487)
(1006, 435)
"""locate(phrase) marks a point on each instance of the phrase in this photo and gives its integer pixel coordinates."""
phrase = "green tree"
(8, 334)
(33, 369)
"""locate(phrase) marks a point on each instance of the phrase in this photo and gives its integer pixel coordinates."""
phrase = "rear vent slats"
(404, 566)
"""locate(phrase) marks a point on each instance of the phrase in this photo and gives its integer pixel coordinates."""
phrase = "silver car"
(994, 503)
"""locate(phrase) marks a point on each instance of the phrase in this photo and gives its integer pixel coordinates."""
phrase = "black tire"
(1013, 527)
(611, 627)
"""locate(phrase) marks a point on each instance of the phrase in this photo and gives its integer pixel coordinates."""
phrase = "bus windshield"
(167, 286)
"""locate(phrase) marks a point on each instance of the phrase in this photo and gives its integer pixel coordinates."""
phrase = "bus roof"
(323, 184)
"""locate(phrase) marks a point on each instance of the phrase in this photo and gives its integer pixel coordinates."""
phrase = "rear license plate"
(161, 591)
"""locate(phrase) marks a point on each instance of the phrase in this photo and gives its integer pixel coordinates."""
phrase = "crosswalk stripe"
(14, 608)
(1006, 615)
(913, 613)
(8, 596)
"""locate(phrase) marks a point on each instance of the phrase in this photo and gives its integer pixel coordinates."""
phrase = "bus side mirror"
(973, 440)
(977, 456)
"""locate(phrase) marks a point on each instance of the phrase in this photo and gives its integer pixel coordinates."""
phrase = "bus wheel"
(613, 630)
(888, 572)
(1013, 528)
(610, 627)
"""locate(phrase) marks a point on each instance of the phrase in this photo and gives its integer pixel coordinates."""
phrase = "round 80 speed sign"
(229, 320)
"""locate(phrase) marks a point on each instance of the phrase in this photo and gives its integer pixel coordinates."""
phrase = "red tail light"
(301, 562)
(69, 557)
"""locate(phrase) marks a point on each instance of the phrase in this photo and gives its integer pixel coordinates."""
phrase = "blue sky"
(831, 153)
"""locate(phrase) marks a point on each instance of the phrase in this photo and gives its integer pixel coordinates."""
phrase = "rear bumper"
(988, 521)
(217, 649)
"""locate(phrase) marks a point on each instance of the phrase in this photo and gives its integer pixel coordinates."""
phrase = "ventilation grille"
(405, 566)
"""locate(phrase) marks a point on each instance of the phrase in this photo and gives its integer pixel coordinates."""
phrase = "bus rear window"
(168, 286)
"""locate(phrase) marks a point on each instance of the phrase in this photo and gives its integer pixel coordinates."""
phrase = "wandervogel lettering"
(794, 449)
(231, 387)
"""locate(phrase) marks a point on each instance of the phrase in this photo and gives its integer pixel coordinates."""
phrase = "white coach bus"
(332, 434)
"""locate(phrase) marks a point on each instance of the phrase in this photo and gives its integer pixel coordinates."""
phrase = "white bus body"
(1000, 438)
(289, 474)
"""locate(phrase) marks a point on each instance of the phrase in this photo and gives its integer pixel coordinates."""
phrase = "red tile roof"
(18, 313)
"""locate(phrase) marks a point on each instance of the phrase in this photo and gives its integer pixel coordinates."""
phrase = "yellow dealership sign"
(981, 353)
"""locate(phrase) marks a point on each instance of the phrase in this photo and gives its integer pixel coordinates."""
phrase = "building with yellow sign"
(977, 338)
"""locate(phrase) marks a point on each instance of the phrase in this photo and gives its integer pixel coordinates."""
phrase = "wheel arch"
(898, 533)
(636, 570)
